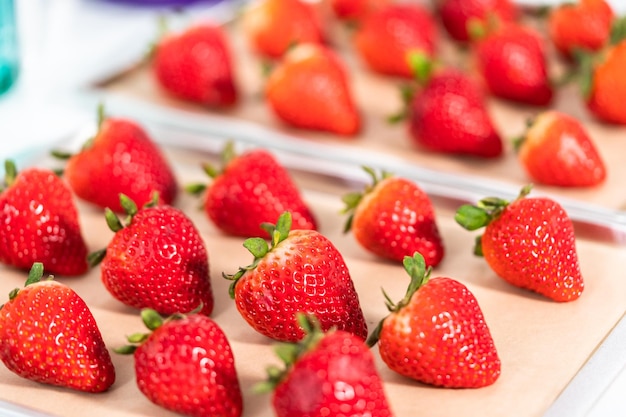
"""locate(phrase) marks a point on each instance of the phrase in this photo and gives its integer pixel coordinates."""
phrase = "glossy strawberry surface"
(311, 89)
(274, 26)
(449, 115)
(512, 60)
(121, 159)
(159, 261)
(196, 65)
(355, 10)
(440, 337)
(39, 222)
(532, 245)
(187, 366)
(608, 86)
(457, 16)
(254, 188)
(336, 377)
(387, 35)
(585, 24)
(302, 272)
(558, 150)
(396, 218)
(48, 335)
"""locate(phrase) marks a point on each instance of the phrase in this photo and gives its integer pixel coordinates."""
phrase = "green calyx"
(116, 224)
(259, 247)
(474, 217)
(352, 200)
(10, 173)
(422, 67)
(518, 141)
(618, 31)
(228, 154)
(289, 353)
(63, 155)
(152, 320)
(415, 266)
(35, 275)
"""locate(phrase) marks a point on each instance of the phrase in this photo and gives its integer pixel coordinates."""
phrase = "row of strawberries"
(157, 262)
(309, 85)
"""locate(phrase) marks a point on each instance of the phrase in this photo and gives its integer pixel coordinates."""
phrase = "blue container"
(9, 55)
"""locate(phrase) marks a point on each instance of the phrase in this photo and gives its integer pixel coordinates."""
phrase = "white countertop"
(66, 45)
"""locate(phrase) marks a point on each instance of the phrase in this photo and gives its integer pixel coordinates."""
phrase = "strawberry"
(274, 26)
(185, 364)
(394, 217)
(512, 61)
(437, 333)
(252, 188)
(120, 159)
(434, 111)
(557, 150)
(300, 271)
(196, 65)
(528, 242)
(326, 374)
(604, 85)
(39, 222)
(310, 89)
(157, 260)
(49, 335)
(386, 36)
(585, 24)
(457, 16)
(355, 10)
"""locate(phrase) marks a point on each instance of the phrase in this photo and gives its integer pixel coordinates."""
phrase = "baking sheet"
(378, 97)
(542, 344)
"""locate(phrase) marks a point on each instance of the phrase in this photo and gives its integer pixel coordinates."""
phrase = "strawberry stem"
(618, 31)
(10, 172)
(421, 65)
(415, 266)
(289, 353)
(35, 274)
(96, 257)
(474, 217)
(101, 115)
(352, 199)
(258, 247)
(112, 220)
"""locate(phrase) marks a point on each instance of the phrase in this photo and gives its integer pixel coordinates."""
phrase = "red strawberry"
(448, 114)
(274, 26)
(394, 217)
(48, 335)
(512, 61)
(327, 374)
(253, 188)
(195, 65)
(356, 10)
(301, 271)
(310, 89)
(458, 15)
(186, 365)
(437, 333)
(604, 85)
(386, 36)
(120, 159)
(39, 222)
(158, 260)
(557, 150)
(528, 242)
(585, 24)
